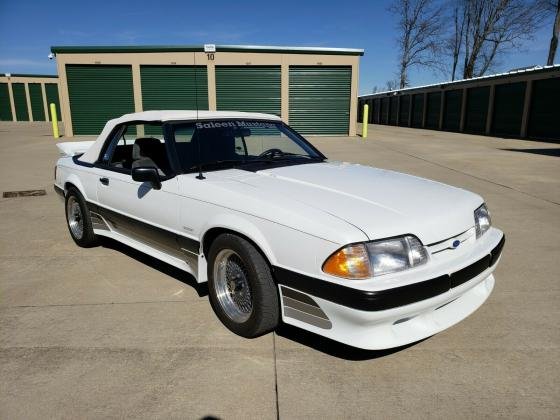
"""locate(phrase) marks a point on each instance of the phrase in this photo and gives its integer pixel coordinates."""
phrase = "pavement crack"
(56, 305)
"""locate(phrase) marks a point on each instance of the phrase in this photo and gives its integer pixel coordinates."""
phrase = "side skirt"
(176, 250)
(148, 250)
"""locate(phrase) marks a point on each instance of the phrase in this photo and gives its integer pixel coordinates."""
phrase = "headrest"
(145, 147)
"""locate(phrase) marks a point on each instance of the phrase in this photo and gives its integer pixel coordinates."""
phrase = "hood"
(379, 202)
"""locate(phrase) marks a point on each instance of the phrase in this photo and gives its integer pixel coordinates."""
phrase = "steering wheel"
(272, 152)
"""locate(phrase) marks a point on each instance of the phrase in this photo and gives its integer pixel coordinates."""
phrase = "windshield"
(247, 144)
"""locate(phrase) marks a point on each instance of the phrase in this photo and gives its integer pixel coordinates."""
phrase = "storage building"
(26, 97)
(313, 89)
(521, 103)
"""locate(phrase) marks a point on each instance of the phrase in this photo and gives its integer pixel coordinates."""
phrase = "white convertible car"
(365, 256)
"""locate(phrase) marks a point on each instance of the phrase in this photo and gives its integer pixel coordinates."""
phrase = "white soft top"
(92, 153)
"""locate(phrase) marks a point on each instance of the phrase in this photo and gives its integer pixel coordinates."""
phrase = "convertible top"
(92, 153)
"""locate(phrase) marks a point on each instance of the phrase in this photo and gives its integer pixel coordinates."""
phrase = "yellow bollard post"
(54, 119)
(365, 121)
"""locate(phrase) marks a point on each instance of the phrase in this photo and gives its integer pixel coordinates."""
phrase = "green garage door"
(377, 110)
(477, 109)
(5, 107)
(544, 117)
(508, 109)
(361, 103)
(404, 111)
(417, 109)
(433, 110)
(385, 104)
(20, 101)
(393, 110)
(174, 87)
(452, 112)
(36, 97)
(320, 99)
(248, 89)
(97, 94)
(51, 90)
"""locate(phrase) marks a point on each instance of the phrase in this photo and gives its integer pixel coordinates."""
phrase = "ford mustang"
(365, 256)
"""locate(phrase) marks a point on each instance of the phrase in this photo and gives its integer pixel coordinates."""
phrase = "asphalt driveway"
(109, 332)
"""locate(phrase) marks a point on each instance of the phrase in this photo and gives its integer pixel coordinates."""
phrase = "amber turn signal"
(350, 262)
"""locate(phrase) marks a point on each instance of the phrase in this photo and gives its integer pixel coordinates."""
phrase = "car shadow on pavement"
(180, 275)
(334, 348)
(306, 338)
(544, 152)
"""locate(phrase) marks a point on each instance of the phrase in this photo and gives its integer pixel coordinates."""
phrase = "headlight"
(361, 261)
(482, 220)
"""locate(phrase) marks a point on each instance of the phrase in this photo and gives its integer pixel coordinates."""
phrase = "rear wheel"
(78, 219)
(242, 291)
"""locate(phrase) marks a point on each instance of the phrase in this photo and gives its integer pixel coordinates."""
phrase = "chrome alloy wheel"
(75, 217)
(232, 286)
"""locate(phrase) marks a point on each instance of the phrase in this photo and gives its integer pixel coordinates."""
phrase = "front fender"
(75, 180)
(244, 227)
(282, 245)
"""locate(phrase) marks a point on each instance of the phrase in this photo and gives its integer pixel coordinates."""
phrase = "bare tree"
(392, 84)
(455, 41)
(553, 6)
(420, 26)
(484, 29)
(375, 89)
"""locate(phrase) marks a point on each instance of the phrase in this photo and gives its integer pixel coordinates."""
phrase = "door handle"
(104, 181)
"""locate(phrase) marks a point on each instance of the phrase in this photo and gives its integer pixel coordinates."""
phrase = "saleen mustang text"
(365, 256)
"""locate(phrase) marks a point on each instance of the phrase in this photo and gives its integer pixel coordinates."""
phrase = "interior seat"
(149, 151)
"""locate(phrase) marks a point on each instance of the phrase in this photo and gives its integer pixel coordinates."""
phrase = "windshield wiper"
(216, 162)
(288, 156)
(235, 162)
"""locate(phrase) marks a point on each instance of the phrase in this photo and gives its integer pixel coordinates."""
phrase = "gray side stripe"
(304, 307)
(307, 318)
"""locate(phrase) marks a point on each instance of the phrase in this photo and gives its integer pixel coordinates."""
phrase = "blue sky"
(29, 28)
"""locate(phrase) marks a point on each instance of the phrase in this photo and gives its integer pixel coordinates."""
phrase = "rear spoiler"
(72, 148)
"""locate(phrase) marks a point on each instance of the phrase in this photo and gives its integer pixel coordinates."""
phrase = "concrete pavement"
(109, 332)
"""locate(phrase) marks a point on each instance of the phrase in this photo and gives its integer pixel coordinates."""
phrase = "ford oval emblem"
(456, 243)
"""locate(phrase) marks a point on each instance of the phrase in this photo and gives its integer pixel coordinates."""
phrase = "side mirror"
(147, 174)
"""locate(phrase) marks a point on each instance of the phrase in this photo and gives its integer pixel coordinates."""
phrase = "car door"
(137, 209)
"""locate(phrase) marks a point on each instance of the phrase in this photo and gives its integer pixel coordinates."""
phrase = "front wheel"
(241, 288)
(78, 219)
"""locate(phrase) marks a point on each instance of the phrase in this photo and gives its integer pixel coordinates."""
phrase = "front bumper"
(392, 317)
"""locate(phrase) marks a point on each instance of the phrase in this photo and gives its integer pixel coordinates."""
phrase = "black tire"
(265, 314)
(87, 239)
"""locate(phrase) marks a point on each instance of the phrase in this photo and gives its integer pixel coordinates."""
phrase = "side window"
(138, 144)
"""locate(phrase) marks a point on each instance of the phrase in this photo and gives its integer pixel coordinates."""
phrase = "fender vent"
(303, 308)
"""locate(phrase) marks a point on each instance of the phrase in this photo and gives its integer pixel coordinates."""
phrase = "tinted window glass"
(239, 142)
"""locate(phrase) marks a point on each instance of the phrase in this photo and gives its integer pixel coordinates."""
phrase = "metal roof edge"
(52, 76)
(84, 49)
(535, 69)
